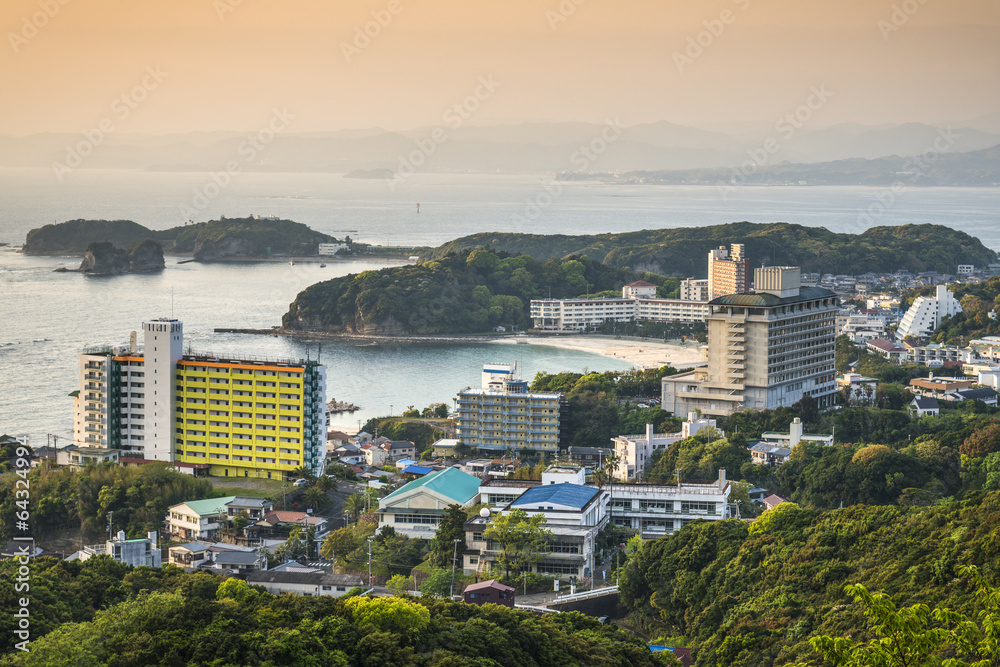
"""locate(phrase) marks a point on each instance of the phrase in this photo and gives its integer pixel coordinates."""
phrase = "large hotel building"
(215, 415)
(766, 349)
(503, 415)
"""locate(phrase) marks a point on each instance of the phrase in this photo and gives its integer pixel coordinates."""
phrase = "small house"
(489, 592)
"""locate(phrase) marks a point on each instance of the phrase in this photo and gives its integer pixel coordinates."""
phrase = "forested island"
(467, 292)
(250, 237)
(104, 259)
(682, 251)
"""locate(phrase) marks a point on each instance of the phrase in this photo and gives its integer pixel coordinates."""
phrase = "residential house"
(986, 395)
(134, 552)
(489, 592)
(773, 501)
(766, 454)
(795, 436)
(251, 508)
(276, 518)
(304, 583)
(444, 447)
(858, 388)
(591, 457)
(415, 509)
(190, 554)
(924, 405)
(76, 457)
(198, 519)
(240, 562)
(938, 386)
(374, 455)
(885, 349)
(400, 449)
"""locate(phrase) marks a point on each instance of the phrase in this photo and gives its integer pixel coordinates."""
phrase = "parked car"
(302, 481)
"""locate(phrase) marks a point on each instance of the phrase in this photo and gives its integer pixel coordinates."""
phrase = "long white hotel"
(638, 303)
(206, 414)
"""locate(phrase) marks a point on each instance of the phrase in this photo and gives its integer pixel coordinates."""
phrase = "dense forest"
(682, 251)
(251, 236)
(104, 613)
(64, 499)
(751, 595)
(469, 292)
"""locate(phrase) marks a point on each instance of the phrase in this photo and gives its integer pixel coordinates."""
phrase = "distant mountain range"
(520, 148)
(974, 168)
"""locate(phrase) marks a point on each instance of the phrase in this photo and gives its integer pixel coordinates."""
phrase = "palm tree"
(326, 483)
(314, 496)
(302, 472)
(355, 505)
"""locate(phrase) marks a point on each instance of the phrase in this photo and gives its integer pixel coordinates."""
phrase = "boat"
(291, 263)
(322, 265)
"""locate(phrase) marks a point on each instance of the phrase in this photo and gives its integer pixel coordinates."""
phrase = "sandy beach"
(642, 353)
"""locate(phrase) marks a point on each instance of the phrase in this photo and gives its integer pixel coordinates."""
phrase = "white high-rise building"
(163, 340)
(924, 316)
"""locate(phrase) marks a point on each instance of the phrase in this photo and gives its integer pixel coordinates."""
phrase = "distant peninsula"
(682, 251)
(373, 174)
(970, 169)
(226, 238)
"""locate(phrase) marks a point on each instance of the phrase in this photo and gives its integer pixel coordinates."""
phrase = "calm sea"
(46, 317)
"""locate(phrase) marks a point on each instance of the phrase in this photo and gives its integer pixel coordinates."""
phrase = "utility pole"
(454, 562)
(370, 584)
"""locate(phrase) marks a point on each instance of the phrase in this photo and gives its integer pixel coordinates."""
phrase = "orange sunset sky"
(229, 62)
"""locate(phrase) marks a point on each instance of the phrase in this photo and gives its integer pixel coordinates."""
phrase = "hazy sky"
(226, 63)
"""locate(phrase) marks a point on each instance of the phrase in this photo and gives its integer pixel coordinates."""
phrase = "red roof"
(640, 283)
(883, 344)
(282, 516)
(489, 583)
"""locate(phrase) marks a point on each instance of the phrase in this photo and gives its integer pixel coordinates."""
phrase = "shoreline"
(641, 353)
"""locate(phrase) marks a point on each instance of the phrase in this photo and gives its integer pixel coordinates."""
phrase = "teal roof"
(210, 505)
(450, 482)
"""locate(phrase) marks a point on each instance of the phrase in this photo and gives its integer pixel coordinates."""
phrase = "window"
(425, 519)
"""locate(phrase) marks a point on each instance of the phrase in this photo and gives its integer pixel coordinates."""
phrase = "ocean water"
(47, 317)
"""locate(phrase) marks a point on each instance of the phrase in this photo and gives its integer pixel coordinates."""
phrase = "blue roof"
(417, 470)
(570, 495)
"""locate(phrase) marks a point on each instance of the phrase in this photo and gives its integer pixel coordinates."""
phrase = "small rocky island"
(104, 259)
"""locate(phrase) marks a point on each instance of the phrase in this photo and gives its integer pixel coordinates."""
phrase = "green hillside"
(469, 292)
(682, 251)
(750, 595)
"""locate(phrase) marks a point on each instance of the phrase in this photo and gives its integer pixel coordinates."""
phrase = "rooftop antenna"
(171, 302)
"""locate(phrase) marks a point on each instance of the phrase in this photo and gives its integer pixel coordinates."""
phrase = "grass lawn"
(254, 488)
